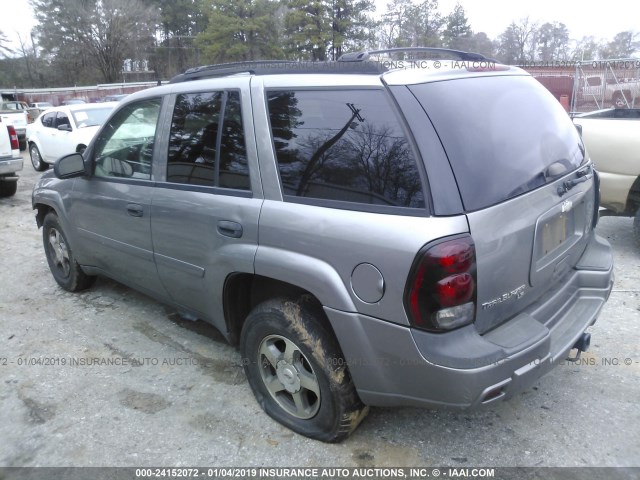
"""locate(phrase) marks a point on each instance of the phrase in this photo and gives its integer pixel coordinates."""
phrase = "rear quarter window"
(344, 146)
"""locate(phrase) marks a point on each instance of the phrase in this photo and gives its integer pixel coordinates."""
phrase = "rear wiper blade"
(582, 176)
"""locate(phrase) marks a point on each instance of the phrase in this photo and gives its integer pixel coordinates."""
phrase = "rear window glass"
(343, 146)
(504, 136)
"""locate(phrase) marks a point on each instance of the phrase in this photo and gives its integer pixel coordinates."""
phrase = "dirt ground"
(178, 396)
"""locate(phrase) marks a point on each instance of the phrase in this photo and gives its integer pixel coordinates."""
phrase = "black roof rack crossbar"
(363, 56)
(275, 67)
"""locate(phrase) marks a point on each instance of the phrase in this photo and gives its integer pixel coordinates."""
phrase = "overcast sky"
(602, 19)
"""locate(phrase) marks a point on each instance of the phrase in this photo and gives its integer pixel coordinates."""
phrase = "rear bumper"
(393, 365)
(8, 167)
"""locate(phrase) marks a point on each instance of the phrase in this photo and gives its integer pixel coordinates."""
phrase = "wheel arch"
(633, 198)
(243, 291)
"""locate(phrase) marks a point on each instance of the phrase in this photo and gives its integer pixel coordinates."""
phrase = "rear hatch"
(525, 184)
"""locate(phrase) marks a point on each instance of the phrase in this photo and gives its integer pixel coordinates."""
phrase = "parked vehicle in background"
(38, 107)
(115, 98)
(73, 101)
(62, 130)
(612, 138)
(10, 160)
(10, 114)
(611, 91)
(41, 105)
(368, 234)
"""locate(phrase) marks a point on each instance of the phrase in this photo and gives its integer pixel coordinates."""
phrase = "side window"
(62, 119)
(343, 145)
(206, 142)
(48, 119)
(125, 146)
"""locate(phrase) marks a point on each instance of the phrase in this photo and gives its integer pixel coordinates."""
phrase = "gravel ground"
(187, 402)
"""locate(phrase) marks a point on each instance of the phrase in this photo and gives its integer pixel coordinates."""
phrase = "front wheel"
(297, 372)
(36, 159)
(63, 266)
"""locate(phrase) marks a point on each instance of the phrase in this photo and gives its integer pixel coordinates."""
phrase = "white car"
(63, 130)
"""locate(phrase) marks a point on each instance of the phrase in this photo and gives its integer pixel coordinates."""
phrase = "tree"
(553, 42)
(586, 49)
(323, 29)
(517, 43)
(3, 41)
(180, 23)
(457, 33)
(408, 25)
(482, 44)
(240, 30)
(101, 33)
(623, 45)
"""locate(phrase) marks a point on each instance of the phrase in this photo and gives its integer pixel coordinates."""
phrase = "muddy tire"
(297, 372)
(63, 266)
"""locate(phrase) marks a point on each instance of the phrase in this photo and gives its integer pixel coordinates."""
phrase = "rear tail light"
(15, 145)
(441, 291)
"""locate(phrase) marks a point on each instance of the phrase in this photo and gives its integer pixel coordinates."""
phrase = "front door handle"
(229, 229)
(135, 210)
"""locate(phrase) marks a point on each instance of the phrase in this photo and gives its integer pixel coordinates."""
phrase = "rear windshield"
(504, 136)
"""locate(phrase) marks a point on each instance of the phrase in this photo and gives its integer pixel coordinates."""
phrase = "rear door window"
(343, 145)
(504, 136)
(206, 143)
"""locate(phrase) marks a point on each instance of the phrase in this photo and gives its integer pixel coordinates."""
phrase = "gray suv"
(369, 233)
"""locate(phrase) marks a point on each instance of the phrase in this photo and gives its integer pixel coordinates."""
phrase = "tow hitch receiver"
(581, 345)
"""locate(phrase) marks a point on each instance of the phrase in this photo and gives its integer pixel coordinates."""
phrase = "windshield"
(92, 117)
(504, 136)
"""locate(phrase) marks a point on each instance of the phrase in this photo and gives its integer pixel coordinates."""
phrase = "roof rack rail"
(275, 67)
(364, 55)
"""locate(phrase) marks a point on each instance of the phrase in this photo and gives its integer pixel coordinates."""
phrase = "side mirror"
(64, 127)
(69, 166)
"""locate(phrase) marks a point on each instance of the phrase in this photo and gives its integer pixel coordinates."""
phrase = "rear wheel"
(297, 372)
(36, 159)
(8, 189)
(63, 266)
(619, 100)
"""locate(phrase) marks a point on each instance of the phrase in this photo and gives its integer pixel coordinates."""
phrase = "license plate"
(554, 233)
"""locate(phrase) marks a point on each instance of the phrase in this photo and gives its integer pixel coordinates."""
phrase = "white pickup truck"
(612, 138)
(609, 91)
(10, 160)
(16, 114)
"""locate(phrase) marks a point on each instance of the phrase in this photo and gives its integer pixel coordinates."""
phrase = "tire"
(22, 145)
(285, 345)
(636, 227)
(8, 189)
(36, 159)
(619, 100)
(63, 266)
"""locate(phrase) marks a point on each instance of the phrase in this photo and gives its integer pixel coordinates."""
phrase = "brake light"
(441, 291)
(15, 145)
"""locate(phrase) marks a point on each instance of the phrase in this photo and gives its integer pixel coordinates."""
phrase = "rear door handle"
(229, 229)
(135, 210)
